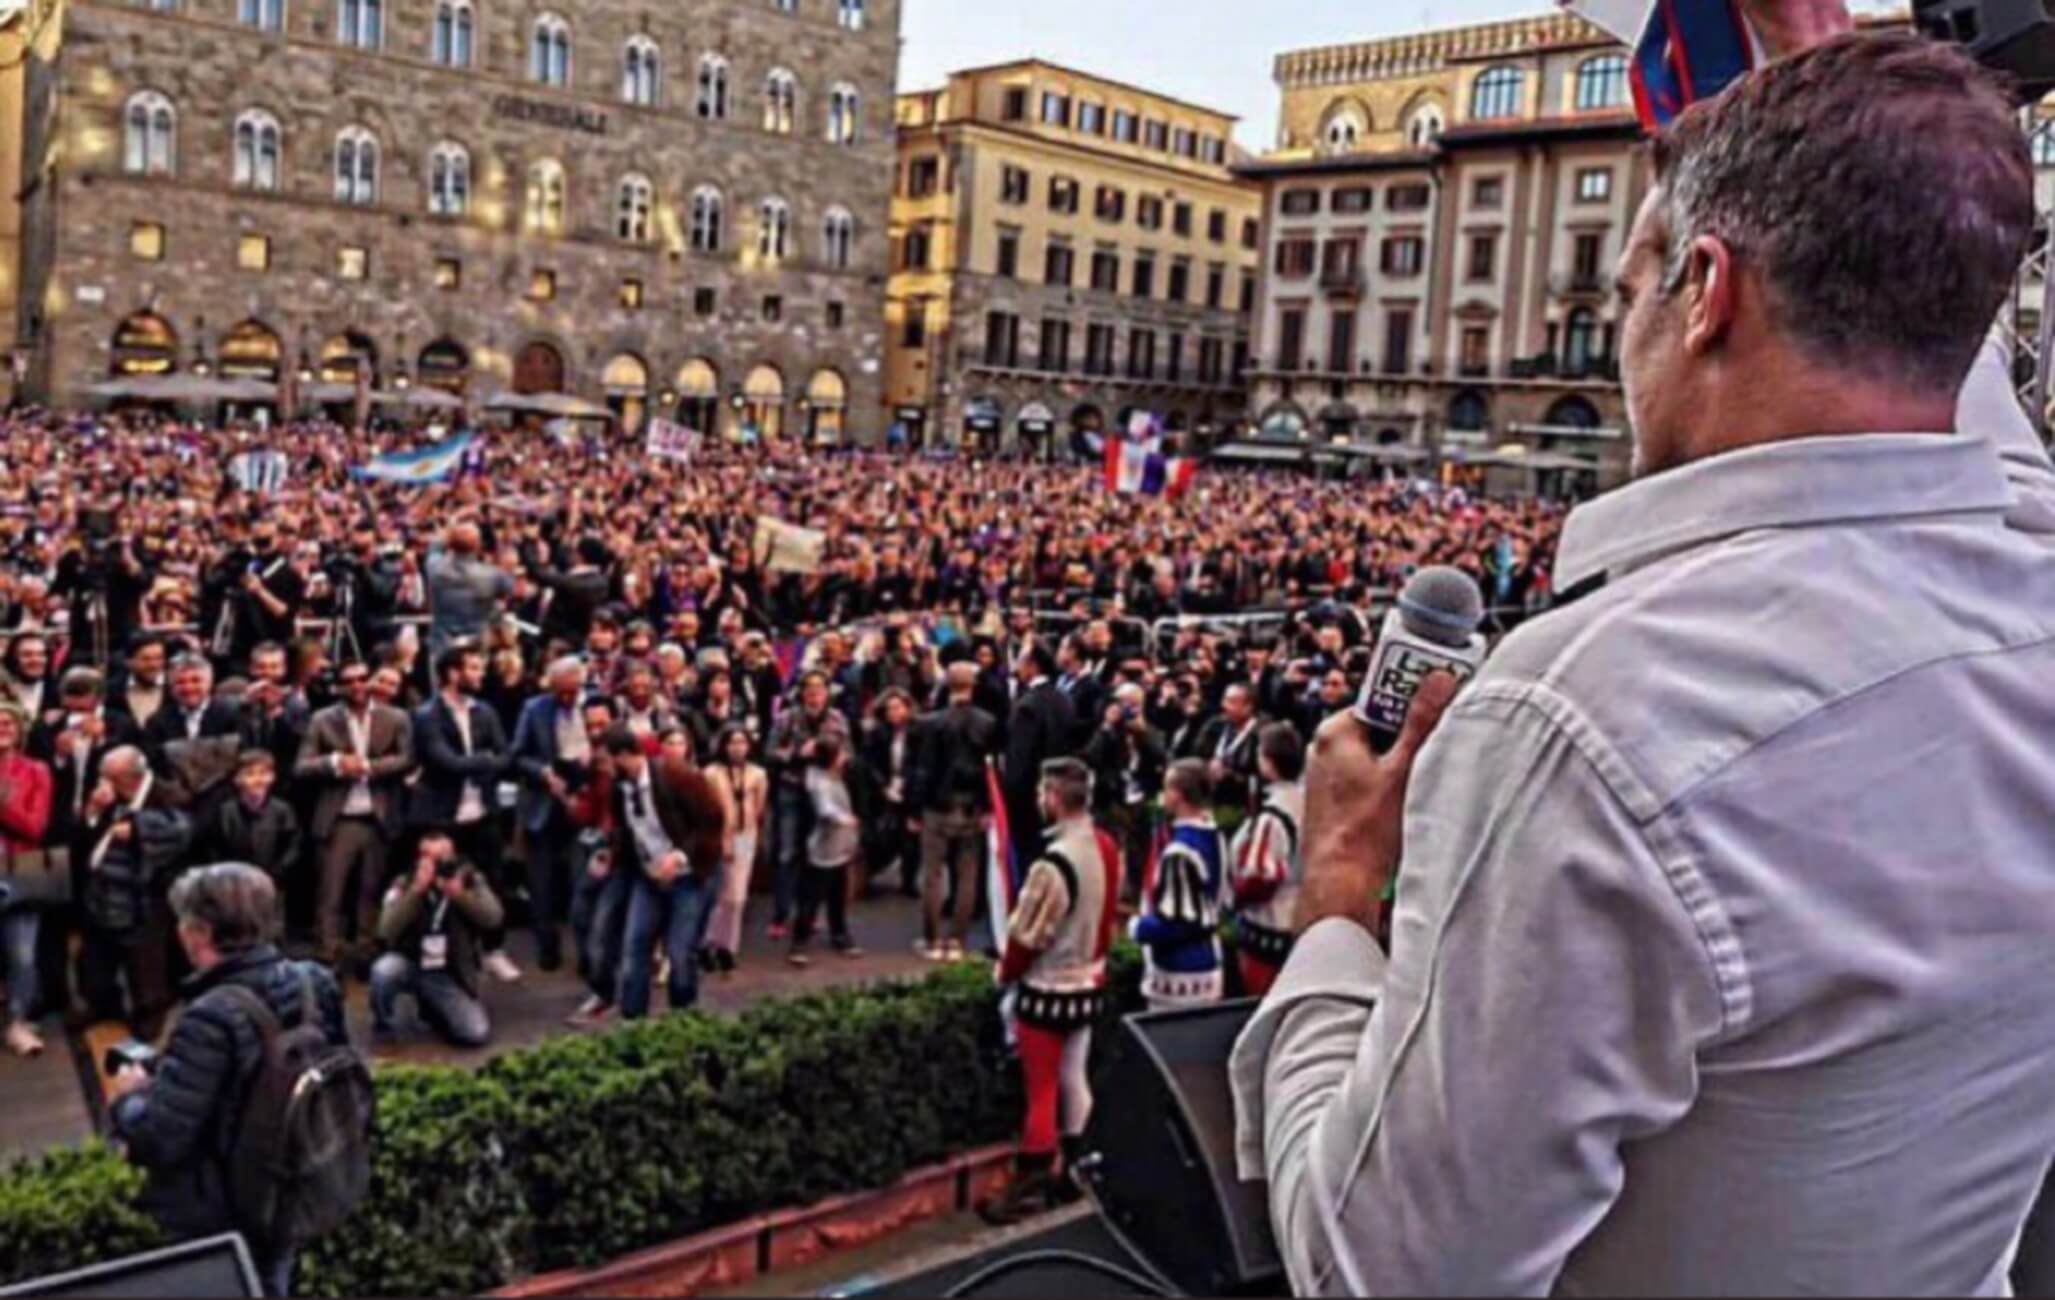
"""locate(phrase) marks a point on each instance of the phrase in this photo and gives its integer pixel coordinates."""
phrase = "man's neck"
(359, 710)
(455, 697)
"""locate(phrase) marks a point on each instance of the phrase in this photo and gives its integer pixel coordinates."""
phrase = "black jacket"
(1044, 726)
(268, 839)
(217, 718)
(182, 1128)
(445, 767)
(948, 747)
(71, 783)
(1113, 753)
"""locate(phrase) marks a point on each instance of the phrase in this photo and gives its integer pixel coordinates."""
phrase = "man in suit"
(670, 838)
(128, 843)
(73, 741)
(1043, 726)
(463, 754)
(1086, 693)
(554, 757)
(356, 755)
(1228, 745)
(192, 713)
(275, 716)
(140, 691)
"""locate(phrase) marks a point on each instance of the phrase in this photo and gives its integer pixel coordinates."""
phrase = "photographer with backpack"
(257, 1118)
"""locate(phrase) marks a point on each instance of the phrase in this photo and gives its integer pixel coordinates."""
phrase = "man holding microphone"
(1720, 959)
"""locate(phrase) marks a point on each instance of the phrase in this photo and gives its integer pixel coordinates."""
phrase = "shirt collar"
(1800, 483)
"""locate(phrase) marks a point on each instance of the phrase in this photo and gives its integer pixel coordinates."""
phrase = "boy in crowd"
(830, 849)
(1180, 915)
(1267, 863)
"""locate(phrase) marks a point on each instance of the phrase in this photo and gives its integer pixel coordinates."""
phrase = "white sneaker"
(501, 967)
(23, 1040)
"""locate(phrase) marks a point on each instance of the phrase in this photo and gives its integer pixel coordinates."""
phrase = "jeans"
(599, 913)
(453, 1013)
(952, 850)
(554, 857)
(18, 928)
(671, 912)
(791, 819)
(828, 885)
(275, 1273)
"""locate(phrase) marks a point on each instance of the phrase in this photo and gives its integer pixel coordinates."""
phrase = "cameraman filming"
(1720, 958)
(181, 1120)
(434, 926)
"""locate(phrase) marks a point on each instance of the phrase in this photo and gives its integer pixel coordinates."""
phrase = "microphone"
(1432, 629)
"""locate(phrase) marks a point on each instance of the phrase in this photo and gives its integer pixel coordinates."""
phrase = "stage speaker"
(2016, 37)
(210, 1267)
(1162, 1148)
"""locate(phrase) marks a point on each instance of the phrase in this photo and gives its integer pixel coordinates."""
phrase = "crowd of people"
(562, 688)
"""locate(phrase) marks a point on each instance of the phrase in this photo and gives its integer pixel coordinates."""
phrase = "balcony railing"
(1577, 284)
(1342, 279)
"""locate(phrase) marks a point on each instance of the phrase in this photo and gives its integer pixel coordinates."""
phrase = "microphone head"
(1443, 604)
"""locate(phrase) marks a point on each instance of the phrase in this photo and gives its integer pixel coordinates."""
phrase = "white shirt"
(650, 840)
(358, 803)
(1721, 957)
(573, 745)
(471, 803)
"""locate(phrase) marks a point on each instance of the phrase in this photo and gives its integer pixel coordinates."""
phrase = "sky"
(1213, 52)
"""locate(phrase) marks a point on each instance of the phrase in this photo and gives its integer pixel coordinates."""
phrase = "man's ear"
(1711, 293)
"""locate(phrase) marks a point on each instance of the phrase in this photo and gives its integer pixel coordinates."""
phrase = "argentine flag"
(426, 465)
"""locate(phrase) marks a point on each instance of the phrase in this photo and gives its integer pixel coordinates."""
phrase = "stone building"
(679, 210)
(1442, 219)
(1068, 249)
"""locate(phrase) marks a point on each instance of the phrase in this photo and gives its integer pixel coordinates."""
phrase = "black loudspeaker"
(210, 1267)
(2013, 36)
(1162, 1166)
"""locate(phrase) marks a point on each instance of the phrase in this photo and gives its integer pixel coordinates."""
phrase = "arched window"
(1580, 341)
(265, 15)
(149, 135)
(774, 235)
(852, 14)
(780, 102)
(1343, 130)
(2043, 140)
(706, 220)
(546, 197)
(549, 51)
(1424, 127)
(713, 86)
(361, 23)
(843, 114)
(454, 24)
(839, 233)
(639, 65)
(1497, 93)
(449, 179)
(256, 150)
(631, 208)
(1602, 82)
(356, 166)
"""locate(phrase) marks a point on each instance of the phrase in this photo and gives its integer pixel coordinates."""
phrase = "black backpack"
(302, 1159)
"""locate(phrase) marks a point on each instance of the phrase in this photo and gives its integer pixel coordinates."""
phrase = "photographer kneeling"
(433, 926)
(184, 1120)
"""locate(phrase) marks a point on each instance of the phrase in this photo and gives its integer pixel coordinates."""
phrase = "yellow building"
(22, 23)
(1067, 249)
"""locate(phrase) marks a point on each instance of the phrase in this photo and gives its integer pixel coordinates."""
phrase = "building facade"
(669, 211)
(1442, 218)
(1067, 250)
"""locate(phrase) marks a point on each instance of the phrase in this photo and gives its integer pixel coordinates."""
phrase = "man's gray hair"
(567, 666)
(1070, 781)
(235, 901)
(190, 662)
(123, 758)
(1881, 187)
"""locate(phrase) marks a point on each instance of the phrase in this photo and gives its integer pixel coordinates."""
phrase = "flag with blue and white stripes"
(261, 472)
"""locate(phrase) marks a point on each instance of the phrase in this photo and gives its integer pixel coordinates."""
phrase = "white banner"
(669, 440)
(787, 548)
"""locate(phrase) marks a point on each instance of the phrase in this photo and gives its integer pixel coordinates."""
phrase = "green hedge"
(583, 1149)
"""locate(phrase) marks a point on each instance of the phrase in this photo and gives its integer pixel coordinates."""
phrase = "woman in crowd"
(888, 751)
(745, 790)
(24, 815)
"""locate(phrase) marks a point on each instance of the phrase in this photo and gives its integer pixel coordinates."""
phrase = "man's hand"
(123, 831)
(1355, 809)
(600, 865)
(559, 789)
(101, 800)
(424, 876)
(670, 866)
(128, 1079)
(1789, 26)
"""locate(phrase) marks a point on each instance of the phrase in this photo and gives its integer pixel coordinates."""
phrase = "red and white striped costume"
(1267, 869)
(1056, 944)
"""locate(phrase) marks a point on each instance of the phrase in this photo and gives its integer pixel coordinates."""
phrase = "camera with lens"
(129, 1053)
(448, 868)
